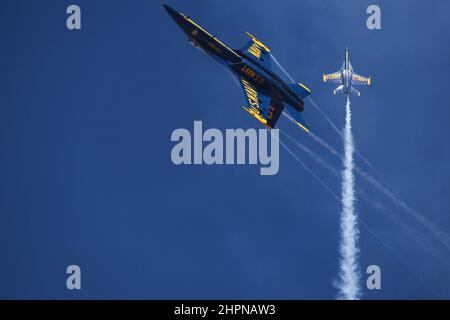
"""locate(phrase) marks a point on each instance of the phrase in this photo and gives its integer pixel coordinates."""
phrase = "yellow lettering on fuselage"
(252, 74)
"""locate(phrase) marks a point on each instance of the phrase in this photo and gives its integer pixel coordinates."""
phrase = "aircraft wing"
(255, 49)
(360, 80)
(265, 109)
(334, 77)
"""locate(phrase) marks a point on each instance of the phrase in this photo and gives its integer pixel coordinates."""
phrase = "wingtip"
(304, 87)
(303, 127)
(258, 42)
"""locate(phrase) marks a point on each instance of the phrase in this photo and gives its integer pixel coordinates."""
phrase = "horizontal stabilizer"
(299, 89)
(355, 92)
(339, 90)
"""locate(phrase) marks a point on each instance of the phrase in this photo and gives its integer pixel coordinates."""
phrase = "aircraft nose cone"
(176, 16)
(172, 12)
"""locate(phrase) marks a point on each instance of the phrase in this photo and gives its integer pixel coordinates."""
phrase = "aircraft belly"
(215, 48)
(263, 87)
(211, 44)
(257, 79)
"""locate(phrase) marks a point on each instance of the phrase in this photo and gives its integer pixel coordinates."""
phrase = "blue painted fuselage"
(241, 64)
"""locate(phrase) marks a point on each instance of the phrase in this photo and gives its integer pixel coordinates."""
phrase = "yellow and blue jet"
(347, 78)
(265, 91)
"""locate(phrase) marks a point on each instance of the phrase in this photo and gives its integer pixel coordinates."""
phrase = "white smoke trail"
(349, 274)
(332, 124)
(436, 231)
(380, 207)
(364, 159)
(364, 197)
(443, 237)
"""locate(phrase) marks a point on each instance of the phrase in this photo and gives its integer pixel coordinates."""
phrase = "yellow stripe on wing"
(303, 127)
(304, 87)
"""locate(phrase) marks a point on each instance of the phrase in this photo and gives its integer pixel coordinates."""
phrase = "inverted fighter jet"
(266, 93)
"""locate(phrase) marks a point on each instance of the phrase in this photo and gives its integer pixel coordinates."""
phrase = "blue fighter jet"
(266, 93)
(347, 78)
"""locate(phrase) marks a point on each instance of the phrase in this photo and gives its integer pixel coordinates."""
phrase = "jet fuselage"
(239, 63)
(347, 75)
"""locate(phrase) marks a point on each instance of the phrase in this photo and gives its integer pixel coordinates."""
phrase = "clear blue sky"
(87, 179)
